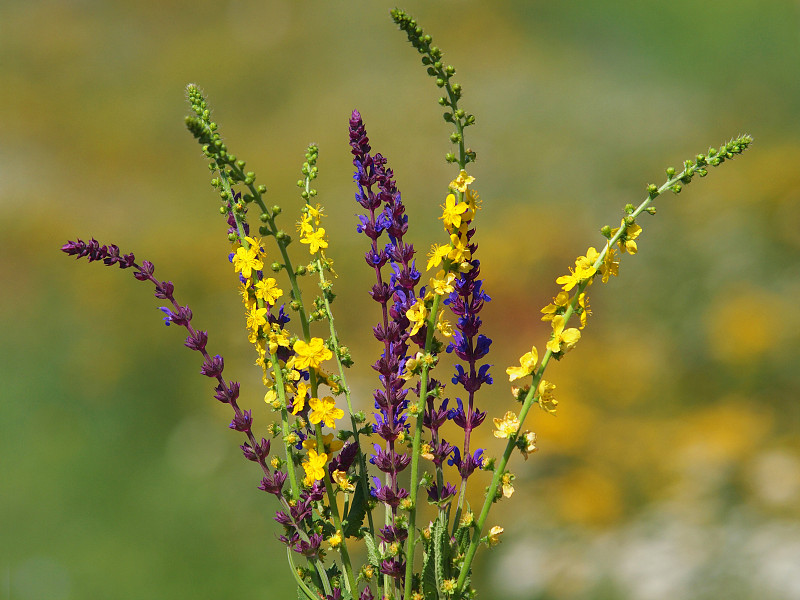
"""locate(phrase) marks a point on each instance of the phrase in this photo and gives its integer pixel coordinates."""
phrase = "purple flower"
(212, 367)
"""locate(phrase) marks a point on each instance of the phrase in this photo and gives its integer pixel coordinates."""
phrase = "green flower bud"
(276, 266)
(276, 210)
(281, 235)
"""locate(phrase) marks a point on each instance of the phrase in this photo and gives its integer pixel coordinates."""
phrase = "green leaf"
(372, 551)
(441, 549)
(429, 587)
(358, 510)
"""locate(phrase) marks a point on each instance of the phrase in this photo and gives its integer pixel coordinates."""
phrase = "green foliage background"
(673, 467)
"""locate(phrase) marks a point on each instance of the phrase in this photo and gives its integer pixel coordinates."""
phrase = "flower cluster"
(330, 476)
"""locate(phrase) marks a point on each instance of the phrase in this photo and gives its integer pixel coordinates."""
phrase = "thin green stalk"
(415, 452)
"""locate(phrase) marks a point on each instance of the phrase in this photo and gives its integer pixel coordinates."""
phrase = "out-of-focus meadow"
(673, 467)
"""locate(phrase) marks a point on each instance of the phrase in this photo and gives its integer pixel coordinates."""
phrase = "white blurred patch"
(775, 478)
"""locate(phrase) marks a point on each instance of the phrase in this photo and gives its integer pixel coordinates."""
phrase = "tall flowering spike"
(377, 193)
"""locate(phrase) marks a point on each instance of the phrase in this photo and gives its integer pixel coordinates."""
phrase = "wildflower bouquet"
(343, 480)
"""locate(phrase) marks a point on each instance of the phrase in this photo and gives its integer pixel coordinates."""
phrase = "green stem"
(532, 394)
(415, 452)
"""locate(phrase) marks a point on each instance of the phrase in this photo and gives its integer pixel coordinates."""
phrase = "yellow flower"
(443, 283)
(324, 410)
(270, 397)
(494, 535)
(340, 478)
(626, 242)
(310, 355)
(583, 303)
(436, 255)
(559, 304)
(335, 540)
(507, 426)
(247, 260)
(473, 200)
(561, 337)
(314, 467)
(527, 365)
(425, 451)
(443, 325)
(315, 213)
(508, 484)
(459, 253)
(452, 210)
(256, 318)
(304, 225)
(329, 444)
(461, 182)
(315, 240)
(268, 290)
(529, 446)
(299, 401)
(609, 266)
(417, 315)
(277, 338)
(546, 398)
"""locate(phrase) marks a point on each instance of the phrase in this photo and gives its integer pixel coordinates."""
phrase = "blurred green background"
(673, 467)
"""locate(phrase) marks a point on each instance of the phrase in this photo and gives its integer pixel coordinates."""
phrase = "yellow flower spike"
(314, 467)
(461, 182)
(310, 355)
(436, 255)
(546, 398)
(417, 315)
(494, 535)
(452, 212)
(527, 365)
(563, 339)
(324, 410)
(507, 426)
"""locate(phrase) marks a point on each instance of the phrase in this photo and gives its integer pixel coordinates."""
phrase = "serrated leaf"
(429, 587)
(441, 549)
(372, 551)
(358, 510)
